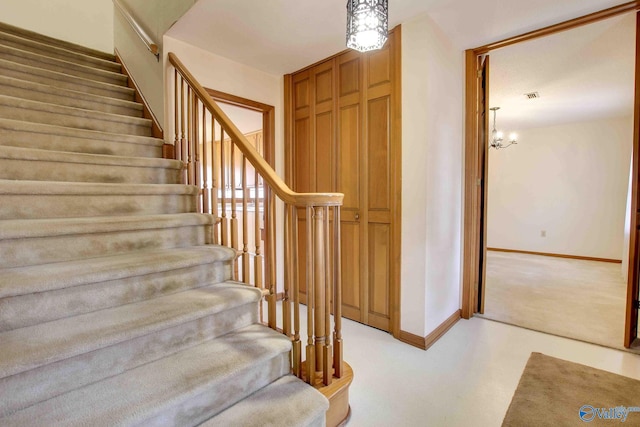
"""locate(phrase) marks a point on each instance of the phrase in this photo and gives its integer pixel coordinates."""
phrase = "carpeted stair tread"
(45, 292)
(49, 199)
(31, 228)
(13, 187)
(61, 65)
(45, 165)
(33, 242)
(60, 138)
(43, 278)
(183, 389)
(34, 91)
(42, 112)
(64, 81)
(46, 40)
(18, 42)
(34, 346)
(286, 402)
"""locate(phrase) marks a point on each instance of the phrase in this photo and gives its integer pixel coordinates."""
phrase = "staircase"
(115, 308)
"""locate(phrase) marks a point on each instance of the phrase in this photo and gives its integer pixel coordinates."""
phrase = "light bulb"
(513, 137)
(499, 135)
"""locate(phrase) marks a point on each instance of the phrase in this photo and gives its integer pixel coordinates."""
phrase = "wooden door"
(483, 159)
(342, 126)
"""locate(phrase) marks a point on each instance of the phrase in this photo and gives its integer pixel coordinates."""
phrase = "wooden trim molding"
(562, 26)
(139, 97)
(585, 258)
(268, 118)
(425, 342)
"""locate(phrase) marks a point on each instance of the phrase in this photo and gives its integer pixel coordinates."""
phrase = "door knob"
(357, 216)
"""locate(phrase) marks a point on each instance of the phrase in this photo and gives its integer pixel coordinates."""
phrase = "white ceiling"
(246, 120)
(282, 36)
(581, 74)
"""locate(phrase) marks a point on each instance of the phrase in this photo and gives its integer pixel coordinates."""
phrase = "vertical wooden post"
(319, 285)
(215, 183)
(337, 295)
(258, 259)
(234, 207)
(311, 350)
(191, 176)
(288, 273)
(196, 149)
(206, 208)
(183, 139)
(271, 258)
(327, 355)
(297, 344)
(176, 120)
(245, 224)
(224, 226)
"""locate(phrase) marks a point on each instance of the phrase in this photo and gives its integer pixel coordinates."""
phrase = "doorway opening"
(557, 201)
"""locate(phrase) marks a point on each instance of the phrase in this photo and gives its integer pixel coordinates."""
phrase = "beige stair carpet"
(115, 306)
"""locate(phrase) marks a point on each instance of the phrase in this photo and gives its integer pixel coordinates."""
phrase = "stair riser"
(36, 385)
(74, 206)
(69, 99)
(71, 69)
(80, 172)
(65, 82)
(92, 121)
(57, 53)
(31, 309)
(75, 144)
(210, 402)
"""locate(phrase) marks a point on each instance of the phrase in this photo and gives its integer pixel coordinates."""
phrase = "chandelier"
(367, 24)
(497, 136)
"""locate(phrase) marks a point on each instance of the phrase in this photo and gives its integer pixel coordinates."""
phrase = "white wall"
(432, 112)
(156, 18)
(85, 22)
(570, 181)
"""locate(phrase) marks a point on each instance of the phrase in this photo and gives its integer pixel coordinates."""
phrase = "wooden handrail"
(146, 39)
(262, 167)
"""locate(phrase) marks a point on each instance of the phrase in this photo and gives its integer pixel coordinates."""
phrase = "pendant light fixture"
(498, 136)
(367, 24)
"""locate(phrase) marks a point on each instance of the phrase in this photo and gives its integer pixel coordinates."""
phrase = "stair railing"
(237, 185)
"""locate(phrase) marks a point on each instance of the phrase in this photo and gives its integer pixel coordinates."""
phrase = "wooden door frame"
(268, 119)
(473, 176)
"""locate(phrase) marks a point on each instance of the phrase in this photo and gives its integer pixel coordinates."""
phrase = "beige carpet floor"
(578, 299)
(554, 392)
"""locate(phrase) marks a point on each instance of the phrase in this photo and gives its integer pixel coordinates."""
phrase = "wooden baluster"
(196, 144)
(245, 224)
(288, 274)
(319, 285)
(257, 261)
(311, 349)
(224, 225)
(327, 355)
(176, 120)
(297, 343)
(234, 208)
(215, 175)
(183, 140)
(205, 163)
(337, 295)
(271, 259)
(190, 138)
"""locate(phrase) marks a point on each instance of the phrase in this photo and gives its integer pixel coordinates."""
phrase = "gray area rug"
(554, 392)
